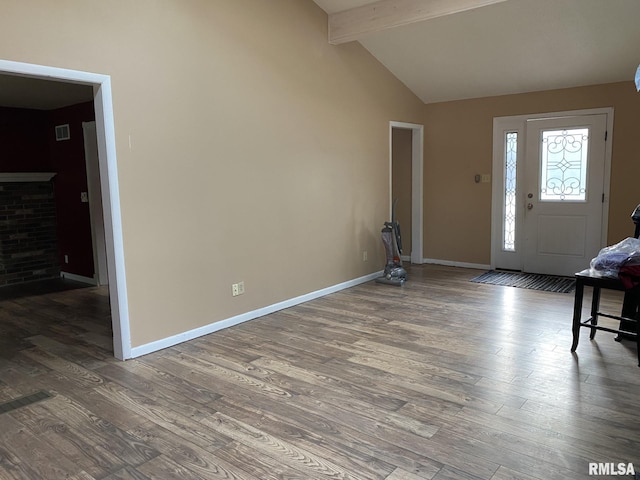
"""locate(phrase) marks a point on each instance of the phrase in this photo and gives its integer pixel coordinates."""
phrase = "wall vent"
(62, 132)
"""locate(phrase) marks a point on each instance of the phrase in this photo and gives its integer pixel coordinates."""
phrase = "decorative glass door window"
(510, 169)
(563, 167)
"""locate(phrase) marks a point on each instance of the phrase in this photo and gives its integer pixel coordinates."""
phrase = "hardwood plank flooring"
(440, 379)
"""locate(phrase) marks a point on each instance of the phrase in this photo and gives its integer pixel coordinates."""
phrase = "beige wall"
(458, 145)
(248, 148)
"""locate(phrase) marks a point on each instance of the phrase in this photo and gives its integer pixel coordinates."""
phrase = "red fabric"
(629, 276)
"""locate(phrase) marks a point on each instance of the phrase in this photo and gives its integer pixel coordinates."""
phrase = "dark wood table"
(585, 278)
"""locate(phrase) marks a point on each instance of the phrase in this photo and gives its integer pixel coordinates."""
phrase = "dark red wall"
(68, 161)
(28, 144)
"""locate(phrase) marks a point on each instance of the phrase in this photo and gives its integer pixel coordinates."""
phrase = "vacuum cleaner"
(393, 274)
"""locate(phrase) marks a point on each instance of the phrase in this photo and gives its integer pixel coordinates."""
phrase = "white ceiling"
(41, 94)
(510, 47)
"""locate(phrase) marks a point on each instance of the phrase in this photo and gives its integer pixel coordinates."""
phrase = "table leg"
(595, 304)
(638, 338)
(577, 313)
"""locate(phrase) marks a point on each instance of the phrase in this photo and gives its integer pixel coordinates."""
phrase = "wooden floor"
(442, 379)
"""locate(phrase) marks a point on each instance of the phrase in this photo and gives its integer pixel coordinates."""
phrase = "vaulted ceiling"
(457, 49)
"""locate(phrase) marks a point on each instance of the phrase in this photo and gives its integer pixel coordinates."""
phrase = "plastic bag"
(610, 259)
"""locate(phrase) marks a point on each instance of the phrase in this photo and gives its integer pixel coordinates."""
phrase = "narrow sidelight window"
(510, 168)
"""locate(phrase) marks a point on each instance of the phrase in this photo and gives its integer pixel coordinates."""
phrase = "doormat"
(532, 281)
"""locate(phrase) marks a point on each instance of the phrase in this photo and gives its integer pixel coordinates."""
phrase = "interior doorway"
(414, 135)
(550, 190)
(108, 181)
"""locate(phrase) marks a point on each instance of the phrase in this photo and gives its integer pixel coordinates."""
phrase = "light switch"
(84, 197)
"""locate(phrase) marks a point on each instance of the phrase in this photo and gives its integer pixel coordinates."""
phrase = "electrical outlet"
(235, 290)
(240, 288)
(486, 178)
(84, 197)
(66, 259)
(364, 256)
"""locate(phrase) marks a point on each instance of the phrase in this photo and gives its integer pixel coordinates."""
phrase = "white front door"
(564, 186)
(550, 190)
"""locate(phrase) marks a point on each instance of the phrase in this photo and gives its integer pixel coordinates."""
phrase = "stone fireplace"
(28, 239)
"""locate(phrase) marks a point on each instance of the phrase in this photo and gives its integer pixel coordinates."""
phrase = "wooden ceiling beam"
(352, 24)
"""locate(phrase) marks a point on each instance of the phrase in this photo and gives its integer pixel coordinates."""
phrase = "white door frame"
(517, 123)
(95, 203)
(109, 184)
(417, 182)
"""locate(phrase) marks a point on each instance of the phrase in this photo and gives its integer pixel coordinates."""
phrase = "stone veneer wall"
(28, 249)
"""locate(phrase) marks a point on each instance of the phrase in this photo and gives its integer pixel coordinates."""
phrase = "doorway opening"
(108, 182)
(413, 135)
(550, 195)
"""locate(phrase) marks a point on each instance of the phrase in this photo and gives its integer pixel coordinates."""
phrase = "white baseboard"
(449, 263)
(244, 317)
(78, 278)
